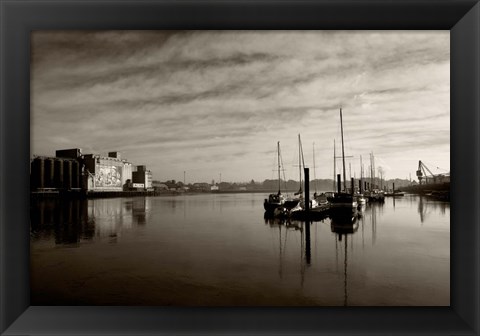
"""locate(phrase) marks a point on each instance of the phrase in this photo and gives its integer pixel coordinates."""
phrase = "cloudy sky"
(217, 102)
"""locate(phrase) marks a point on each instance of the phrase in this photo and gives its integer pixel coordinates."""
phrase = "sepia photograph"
(240, 168)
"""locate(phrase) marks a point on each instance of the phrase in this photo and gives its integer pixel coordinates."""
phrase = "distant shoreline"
(111, 194)
(65, 194)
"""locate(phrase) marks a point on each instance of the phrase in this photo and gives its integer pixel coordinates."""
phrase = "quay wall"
(90, 194)
(427, 188)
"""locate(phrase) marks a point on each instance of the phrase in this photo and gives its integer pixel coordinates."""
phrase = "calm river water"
(218, 250)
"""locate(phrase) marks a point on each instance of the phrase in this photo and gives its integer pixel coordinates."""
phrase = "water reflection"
(342, 226)
(68, 221)
(426, 207)
(71, 222)
(285, 225)
(230, 252)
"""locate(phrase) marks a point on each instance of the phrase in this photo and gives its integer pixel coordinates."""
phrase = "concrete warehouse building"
(55, 173)
(72, 170)
(109, 173)
(142, 178)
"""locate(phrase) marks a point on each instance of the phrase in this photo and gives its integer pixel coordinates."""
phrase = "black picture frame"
(19, 17)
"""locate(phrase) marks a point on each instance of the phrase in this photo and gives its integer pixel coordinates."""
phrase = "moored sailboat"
(294, 203)
(342, 200)
(319, 202)
(395, 193)
(276, 200)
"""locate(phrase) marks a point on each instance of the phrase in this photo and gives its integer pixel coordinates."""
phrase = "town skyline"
(211, 103)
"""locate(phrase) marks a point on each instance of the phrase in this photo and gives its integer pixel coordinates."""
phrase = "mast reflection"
(285, 225)
(344, 225)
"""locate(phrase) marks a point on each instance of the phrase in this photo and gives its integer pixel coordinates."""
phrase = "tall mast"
(371, 170)
(374, 169)
(361, 174)
(361, 168)
(343, 153)
(299, 163)
(278, 159)
(301, 151)
(314, 174)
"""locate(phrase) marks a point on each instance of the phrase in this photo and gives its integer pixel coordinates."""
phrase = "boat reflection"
(285, 225)
(361, 209)
(342, 224)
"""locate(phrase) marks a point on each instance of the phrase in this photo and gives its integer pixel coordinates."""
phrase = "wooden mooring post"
(307, 219)
(307, 190)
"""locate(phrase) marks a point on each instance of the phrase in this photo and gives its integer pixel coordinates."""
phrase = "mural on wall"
(108, 177)
(149, 183)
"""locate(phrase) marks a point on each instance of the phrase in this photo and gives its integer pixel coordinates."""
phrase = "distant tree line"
(272, 185)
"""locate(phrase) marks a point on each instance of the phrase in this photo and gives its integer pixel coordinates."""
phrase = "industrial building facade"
(55, 173)
(106, 173)
(71, 170)
(142, 178)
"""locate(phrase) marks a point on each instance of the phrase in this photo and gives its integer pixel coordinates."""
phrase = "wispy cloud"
(214, 102)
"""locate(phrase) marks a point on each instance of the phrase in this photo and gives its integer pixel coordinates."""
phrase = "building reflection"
(73, 221)
(67, 221)
(140, 209)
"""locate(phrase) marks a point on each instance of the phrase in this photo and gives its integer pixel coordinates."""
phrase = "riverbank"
(109, 194)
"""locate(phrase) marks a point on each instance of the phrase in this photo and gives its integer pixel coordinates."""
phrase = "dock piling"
(307, 210)
(307, 189)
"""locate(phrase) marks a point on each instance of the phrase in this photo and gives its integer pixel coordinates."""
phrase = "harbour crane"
(429, 178)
